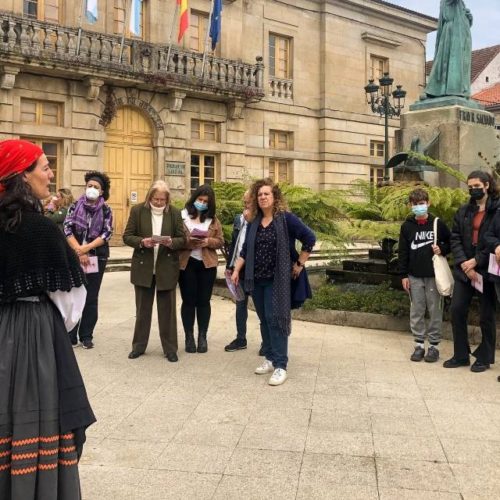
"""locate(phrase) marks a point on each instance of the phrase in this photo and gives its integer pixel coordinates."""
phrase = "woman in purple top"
(274, 272)
(88, 228)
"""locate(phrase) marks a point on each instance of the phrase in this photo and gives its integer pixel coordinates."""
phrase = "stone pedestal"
(464, 136)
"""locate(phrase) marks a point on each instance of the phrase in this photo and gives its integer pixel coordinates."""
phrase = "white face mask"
(157, 210)
(92, 193)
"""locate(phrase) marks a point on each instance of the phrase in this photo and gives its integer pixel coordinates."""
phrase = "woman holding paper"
(198, 263)
(471, 255)
(155, 232)
(88, 227)
(44, 409)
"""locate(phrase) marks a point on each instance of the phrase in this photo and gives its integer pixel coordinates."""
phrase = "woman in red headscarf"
(44, 409)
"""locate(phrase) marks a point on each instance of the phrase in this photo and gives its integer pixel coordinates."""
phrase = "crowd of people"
(54, 251)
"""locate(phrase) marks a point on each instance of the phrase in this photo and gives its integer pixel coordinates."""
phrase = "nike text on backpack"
(442, 271)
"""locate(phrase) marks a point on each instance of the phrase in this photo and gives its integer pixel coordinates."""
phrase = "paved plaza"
(355, 420)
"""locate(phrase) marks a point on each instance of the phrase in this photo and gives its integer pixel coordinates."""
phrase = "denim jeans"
(241, 318)
(274, 344)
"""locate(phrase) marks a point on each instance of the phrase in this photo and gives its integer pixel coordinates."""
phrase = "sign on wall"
(175, 168)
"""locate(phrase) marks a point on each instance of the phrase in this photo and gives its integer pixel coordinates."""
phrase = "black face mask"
(476, 193)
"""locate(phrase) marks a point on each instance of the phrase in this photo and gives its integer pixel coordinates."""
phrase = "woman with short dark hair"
(88, 227)
(44, 409)
(198, 264)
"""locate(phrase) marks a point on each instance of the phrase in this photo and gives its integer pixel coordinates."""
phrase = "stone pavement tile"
(335, 336)
(401, 494)
(310, 489)
(406, 447)
(339, 421)
(279, 397)
(209, 412)
(403, 425)
(338, 442)
(493, 411)
(455, 408)
(256, 488)
(122, 453)
(175, 485)
(480, 481)
(297, 417)
(393, 390)
(355, 405)
(448, 393)
(449, 425)
(344, 370)
(340, 387)
(274, 436)
(389, 371)
(395, 406)
(264, 463)
(415, 475)
(340, 350)
(199, 432)
(471, 451)
(338, 470)
(109, 482)
(193, 458)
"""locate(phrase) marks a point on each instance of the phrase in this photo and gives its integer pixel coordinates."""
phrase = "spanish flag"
(183, 17)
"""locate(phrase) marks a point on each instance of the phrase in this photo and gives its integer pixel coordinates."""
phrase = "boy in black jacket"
(416, 248)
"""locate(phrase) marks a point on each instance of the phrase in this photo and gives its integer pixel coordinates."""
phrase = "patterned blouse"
(265, 252)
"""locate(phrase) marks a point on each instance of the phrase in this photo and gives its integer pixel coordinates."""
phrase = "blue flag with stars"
(215, 24)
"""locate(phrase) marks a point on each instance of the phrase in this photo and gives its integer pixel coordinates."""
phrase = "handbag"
(442, 271)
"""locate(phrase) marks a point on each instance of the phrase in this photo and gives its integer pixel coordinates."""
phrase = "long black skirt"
(44, 408)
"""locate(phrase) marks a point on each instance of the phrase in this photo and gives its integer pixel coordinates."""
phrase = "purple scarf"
(88, 219)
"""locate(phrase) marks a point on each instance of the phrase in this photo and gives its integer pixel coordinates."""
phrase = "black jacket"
(492, 239)
(461, 237)
(415, 246)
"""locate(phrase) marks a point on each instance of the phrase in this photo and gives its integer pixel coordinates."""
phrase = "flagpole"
(80, 20)
(125, 22)
(172, 33)
(206, 39)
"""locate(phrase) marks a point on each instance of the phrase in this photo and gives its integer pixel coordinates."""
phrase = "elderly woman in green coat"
(155, 231)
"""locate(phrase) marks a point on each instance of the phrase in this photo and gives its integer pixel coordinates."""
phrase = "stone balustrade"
(27, 42)
(281, 88)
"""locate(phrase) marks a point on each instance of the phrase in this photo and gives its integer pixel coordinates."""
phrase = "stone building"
(282, 95)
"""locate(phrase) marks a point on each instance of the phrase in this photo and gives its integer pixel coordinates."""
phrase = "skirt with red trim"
(44, 409)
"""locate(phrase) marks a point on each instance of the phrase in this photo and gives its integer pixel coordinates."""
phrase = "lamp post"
(379, 98)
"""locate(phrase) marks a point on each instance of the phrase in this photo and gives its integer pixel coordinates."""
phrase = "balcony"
(42, 47)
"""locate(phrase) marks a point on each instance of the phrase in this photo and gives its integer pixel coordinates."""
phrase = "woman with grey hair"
(155, 231)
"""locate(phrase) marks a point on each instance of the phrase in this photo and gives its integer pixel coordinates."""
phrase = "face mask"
(419, 210)
(200, 206)
(157, 210)
(92, 193)
(476, 193)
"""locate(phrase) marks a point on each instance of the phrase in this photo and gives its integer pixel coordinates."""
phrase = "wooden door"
(128, 160)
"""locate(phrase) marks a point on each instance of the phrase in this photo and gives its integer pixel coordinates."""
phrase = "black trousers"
(85, 327)
(196, 283)
(167, 320)
(462, 296)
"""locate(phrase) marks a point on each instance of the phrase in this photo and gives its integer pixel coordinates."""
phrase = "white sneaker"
(265, 367)
(278, 377)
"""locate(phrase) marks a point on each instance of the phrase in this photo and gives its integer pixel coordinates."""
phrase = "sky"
(486, 15)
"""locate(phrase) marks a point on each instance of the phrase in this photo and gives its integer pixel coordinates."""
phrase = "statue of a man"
(450, 75)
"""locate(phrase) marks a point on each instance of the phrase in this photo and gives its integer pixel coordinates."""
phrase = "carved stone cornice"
(175, 100)
(93, 87)
(8, 76)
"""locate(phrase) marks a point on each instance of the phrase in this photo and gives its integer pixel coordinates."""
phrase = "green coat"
(139, 226)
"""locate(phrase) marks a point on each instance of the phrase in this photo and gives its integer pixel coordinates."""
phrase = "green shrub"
(379, 299)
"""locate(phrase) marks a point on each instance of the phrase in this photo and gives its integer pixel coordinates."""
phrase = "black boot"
(190, 345)
(202, 342)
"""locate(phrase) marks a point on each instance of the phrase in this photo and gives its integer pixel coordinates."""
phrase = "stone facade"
(311, 123)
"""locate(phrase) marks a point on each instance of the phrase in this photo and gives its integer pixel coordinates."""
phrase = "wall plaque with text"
(175, 168)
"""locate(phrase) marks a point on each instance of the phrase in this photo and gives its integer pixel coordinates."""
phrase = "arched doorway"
(128, 160)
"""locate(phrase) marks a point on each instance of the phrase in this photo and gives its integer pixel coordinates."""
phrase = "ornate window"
(280, 61)
(378, 66)
(43, 10)
(279, 139)
(41, 112)
(135, 17)
(280, 170)
(205, 131)
(203, 169)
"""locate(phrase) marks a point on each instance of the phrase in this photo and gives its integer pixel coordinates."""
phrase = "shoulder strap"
(435, 230)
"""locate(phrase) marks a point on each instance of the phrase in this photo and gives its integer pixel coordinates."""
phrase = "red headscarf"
(15, 157)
